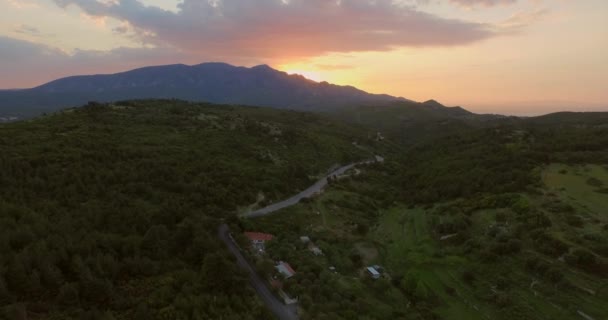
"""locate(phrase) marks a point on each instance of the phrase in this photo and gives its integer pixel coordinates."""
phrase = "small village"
(283, 270)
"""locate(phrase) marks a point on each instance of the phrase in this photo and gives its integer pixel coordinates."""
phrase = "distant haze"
(536, 108)
(513, 57)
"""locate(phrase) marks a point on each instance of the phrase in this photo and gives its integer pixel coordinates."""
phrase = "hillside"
(409, 122)
(208, 82)
(500, 222)
(111, 211)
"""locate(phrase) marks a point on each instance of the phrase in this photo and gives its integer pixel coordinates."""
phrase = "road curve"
(317, 187)
(277, 307)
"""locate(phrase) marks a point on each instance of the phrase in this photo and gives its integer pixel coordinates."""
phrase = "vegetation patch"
(112, 212)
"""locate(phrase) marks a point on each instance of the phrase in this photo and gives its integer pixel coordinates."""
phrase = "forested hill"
(210, 82)
(110, 211)
(409, 122)
(505, 220)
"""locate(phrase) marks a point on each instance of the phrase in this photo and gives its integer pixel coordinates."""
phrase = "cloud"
(23, 4)
(520, 20)
(465, 3)
(485, 3)
(30, 64)
(26, 29)
(286, 29)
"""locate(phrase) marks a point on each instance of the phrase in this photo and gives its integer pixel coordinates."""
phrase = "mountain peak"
(433, 103)
(263, 66)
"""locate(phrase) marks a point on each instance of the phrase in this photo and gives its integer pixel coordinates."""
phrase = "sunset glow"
(516, 57)
(311, 75)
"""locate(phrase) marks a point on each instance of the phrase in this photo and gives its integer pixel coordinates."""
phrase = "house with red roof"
(258, 240)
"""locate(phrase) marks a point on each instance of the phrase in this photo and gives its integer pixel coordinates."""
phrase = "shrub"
(468, 276)
(574, 220)
(554, 275)
(594, 182)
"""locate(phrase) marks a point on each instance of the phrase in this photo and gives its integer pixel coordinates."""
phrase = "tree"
(362, 229)
(18, 281)
(52, 276)
(265, 266)
(554, 275)
(468, 276)
(143, 312)
(17, 311)
(34, 286)
(218, 275)
(155, 241)
(68, 295)
(4, 292)
(584, 257)
(421, 293)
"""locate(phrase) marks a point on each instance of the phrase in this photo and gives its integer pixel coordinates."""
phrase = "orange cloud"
(270, 29)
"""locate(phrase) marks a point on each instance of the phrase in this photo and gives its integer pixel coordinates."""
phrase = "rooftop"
(285, 269)
(373, 271)
(258, 236)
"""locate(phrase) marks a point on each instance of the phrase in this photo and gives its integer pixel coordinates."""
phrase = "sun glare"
(312, 75)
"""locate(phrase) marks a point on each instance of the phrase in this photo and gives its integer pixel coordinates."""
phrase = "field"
(584, 187)
(467, 273)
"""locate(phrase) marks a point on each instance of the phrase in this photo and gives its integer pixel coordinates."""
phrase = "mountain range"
(210, 82)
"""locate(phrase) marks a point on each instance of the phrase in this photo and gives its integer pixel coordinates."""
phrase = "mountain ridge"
(213, 82)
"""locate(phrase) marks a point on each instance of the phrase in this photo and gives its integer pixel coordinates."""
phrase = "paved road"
(277, 307)
(317, 187)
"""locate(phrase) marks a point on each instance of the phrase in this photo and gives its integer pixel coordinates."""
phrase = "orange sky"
(503, 56)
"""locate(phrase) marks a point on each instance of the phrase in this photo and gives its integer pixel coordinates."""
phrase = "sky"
(520, 57)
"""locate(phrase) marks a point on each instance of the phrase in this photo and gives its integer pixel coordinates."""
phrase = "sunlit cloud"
(499, 51)
(485, 3)
(27, 29)
(23, 4)
(522, 19)
(98, 21)
(268, 29)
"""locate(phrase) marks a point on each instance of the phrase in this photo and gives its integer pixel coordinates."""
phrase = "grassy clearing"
(406, 236)
(574, 184)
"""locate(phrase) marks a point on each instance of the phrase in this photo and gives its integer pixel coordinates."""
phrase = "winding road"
(280, 310)
(315, 188)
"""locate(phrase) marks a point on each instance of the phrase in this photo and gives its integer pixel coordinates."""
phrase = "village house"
(315, 250)
(311, 246)
(258, 240)
(373, 272)
(285, 269)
